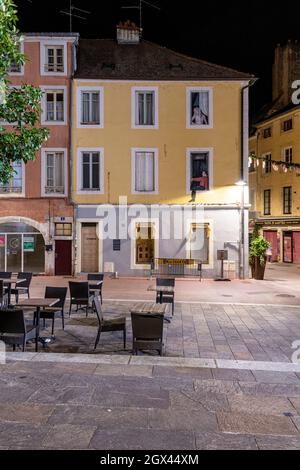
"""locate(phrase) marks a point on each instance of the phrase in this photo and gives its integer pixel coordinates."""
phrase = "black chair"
(95, 288)
(50, 313)
(14, 331)
(80, 296)
(165, 297)
(5, 275)
(147, 332)
(115, 324)
(3, 296)
(23, 286)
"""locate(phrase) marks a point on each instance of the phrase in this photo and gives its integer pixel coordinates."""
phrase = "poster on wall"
(28, 244)
(2, 241)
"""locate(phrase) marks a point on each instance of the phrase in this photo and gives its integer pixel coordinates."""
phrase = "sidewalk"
(77, 405)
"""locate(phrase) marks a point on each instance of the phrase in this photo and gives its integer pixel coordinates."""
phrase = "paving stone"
(199, 400)
(183, 419)
(191, 372)
(131, 399)
(260, 405)
(17, 393)
(233, 375)
(219, 441)
(142, 439)
(67, 436)
(276, 377)
(28, 435)
(217, 386)
(62, 395)
(117, 370)
(105, 418)
(25, 413)
(284, 390)
(243, 423)
(278, 443)
(296, 403)
(296, 421)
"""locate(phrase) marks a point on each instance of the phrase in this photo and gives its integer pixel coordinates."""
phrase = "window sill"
(143, 127)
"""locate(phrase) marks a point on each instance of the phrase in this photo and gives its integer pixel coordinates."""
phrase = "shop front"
(284, 237)
(22, 248)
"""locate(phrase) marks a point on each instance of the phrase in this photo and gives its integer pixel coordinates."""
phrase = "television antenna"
(75, 12)
(139, 7)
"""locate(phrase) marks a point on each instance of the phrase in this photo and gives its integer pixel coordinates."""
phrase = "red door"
(272, 238)
(288, 247)
(296, 242)
(63, 257)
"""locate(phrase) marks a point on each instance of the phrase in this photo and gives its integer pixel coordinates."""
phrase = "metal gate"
(176, 267)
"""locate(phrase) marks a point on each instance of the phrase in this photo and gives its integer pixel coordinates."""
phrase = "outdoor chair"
(14, 331)
(166, 297)
(51, 312)
(80, 296)
(114, 324)
(147, 332)
(22, 287)
(5, 275)
(3, 296)
(94, 288)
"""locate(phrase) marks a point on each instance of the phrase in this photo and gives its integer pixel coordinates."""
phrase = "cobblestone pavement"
(197, 330)
(104, 406)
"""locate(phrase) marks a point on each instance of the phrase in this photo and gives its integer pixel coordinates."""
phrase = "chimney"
(128, 33)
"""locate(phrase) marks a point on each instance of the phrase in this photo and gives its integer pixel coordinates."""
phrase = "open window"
(199, 171)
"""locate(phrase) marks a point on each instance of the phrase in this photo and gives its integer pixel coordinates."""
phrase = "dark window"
(287, 200)
(116, 245)
(288, 155)
(287, 125)
(267, 202)
(268, 164)
(91, 171)
(267, 133)
(199, 163)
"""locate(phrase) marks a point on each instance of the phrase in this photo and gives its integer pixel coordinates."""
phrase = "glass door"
(14, 253)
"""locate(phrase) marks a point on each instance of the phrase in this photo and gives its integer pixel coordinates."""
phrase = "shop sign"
(176, 262)
(28, 244)
(279, 223)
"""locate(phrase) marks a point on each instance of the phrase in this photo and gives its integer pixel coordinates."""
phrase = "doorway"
(89, 248)
(63, 257)
(288, 247)
(271, 237)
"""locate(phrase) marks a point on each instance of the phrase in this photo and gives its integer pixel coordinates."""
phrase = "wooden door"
(63, 257)
(89, 249)
(296, 250)
(288, 247)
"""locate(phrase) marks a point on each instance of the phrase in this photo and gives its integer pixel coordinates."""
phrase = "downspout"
(73, 65)
(244, 178)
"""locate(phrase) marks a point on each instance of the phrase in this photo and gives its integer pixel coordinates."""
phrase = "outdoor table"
(8, 283)
(150, 309)
(37, 304)
(162, 290)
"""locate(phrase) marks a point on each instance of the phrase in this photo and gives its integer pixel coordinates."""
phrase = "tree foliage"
(19, 107)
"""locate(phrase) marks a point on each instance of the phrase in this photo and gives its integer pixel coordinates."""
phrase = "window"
(17, 69)
(252, 166)
(144, 243)
(144, 108)
(198, 171)
(54, 60)
(267, 202)
(287, 200)
(144, 171)
(54, 173)
(90, 171)
(288, 155)
(15, 184)
(90, 107)
(199, 108)
(267, 133)
(268, 164)
(54, 106)
(199, 242)
(287, 125)
(63, 230)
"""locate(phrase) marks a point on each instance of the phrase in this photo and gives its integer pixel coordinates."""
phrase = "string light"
(276, 165)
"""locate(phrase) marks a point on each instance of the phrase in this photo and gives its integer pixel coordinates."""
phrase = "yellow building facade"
(157, 129)
(275, 189)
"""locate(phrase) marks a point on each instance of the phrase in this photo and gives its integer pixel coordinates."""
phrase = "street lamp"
(242, 184)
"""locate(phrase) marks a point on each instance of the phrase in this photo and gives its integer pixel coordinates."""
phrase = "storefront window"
(22, 248)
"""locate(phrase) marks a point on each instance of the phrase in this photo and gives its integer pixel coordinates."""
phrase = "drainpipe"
(71, 202)
(244, 178)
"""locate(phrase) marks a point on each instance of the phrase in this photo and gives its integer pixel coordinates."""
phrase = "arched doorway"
(22, 248)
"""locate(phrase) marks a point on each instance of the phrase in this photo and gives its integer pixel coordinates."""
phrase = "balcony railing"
(54, 189)
(54, 68)
(10, 189)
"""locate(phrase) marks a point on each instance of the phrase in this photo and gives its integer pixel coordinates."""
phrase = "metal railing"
(176, 267)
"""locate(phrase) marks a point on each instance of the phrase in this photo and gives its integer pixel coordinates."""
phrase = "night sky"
(241, 35)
